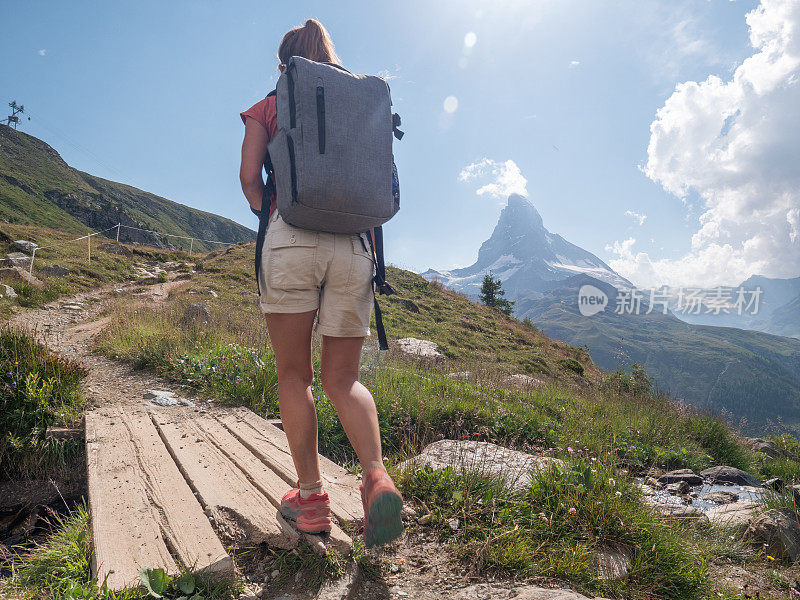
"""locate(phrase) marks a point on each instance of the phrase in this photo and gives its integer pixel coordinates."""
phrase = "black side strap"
(376, 244)
(395, 124)
(263, 214)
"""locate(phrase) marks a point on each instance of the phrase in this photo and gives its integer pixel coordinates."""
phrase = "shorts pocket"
(362, 269)
(291, 259)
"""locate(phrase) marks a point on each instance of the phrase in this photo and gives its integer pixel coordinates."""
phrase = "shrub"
(570, 364)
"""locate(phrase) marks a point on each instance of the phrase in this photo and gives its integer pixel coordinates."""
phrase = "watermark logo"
(591, 300)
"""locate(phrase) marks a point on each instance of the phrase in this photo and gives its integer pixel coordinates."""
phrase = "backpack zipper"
(290, 144)
(321, 118)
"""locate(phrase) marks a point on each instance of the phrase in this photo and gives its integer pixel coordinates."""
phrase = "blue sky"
(148, 93)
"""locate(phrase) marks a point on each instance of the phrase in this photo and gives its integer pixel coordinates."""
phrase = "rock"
(686, 475)
(736, 514)
(471, 456)
(18, 259)
(489, 591)
(729, 475)
(521, 380)
(25, 246)
(454, 524)
(419, 348)
(197, 313)
(63, 433)
(776, 483)
(677, 488)
(612, 562)
(408, 512)
(424, 519)
(113, 248)
(771, 449)
(462, 375)
(54, 271)
(655, 472)
(680, 511)
(17, 275)
(777, 532)
(721, 497)
(166, 398)
(6, 291)
(653, 482)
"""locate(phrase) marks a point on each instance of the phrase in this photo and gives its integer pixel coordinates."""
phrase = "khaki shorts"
(303, 270)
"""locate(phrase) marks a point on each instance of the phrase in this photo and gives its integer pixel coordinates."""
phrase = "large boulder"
(25, 246)
(17, 275)
(729, 475)
(679, 475)
(771, 449)
(777, 532)
(6, 291)
(523, 381)
(736, 515)
(419, 348)
(54, 271)
(482, 457)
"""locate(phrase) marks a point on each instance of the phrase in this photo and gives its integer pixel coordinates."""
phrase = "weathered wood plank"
(270, 445)
(263, 478)
(241, 514)
(184, 523)
(125, 526)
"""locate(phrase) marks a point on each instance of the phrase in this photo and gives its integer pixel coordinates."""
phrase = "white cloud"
(736, 145)
(506, 178)
(470, 39)
(42, 52)
(636, 216)
(450, 104)
(574, 64)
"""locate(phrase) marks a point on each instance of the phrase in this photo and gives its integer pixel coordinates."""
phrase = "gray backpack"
(332, 156)
(330, 165)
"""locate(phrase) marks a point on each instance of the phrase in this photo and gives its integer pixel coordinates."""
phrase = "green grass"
(38, 388)
(60, 569)
(553, 528)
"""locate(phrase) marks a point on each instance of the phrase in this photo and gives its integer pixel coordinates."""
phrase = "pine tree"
(492, 295)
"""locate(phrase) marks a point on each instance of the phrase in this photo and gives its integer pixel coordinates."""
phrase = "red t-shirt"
(266, 113)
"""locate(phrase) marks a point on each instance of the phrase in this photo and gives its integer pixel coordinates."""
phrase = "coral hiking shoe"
(382, 506)
(312, 514)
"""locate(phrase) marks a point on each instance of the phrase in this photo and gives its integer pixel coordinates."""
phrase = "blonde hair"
(311, 41)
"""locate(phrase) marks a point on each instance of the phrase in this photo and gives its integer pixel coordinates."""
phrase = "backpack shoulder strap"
(263, 214)
(376, 243)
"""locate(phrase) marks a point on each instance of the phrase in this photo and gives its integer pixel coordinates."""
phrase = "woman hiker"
(327, 277)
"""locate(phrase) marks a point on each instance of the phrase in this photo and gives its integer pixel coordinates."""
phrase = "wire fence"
(88, 237)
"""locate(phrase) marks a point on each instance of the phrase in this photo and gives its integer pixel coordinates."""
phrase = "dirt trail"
(69, 326)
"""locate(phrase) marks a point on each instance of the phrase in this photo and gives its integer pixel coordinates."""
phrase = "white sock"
(308, 489)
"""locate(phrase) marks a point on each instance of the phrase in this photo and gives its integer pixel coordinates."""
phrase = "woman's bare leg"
(290, 335)
(353, 402)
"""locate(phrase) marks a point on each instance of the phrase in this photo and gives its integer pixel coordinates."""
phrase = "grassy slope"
(38, 187)
(580, 419)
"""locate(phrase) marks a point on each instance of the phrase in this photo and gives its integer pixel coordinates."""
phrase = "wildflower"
(8, 374)
(14, 384)
(770, 557)
(619, 494)
(573, 510)
(612, 483)
(569, 449)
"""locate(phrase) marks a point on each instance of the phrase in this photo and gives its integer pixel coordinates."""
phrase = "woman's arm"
(254, 151)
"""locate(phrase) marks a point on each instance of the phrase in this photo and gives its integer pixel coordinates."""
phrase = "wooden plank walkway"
(168, 486)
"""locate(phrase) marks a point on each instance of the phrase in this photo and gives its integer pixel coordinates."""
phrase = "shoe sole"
(384, 519)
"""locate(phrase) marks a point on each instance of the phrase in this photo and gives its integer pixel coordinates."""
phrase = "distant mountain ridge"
(749, 374)
(37, 187)
(526, 257)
